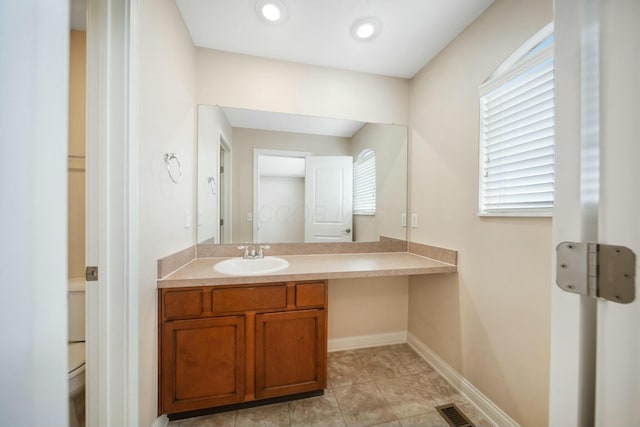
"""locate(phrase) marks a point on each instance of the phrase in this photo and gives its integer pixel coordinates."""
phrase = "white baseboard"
(482, 402)
(161, 421)
(363, 341)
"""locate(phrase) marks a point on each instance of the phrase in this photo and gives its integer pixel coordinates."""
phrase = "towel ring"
(174, 174)
(212, 183)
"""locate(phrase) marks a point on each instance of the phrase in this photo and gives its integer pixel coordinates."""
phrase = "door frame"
(573, 317)
(112, 212)
(227, 197)
(257, 152)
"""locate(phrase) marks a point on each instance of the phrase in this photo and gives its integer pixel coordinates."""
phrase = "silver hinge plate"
(597, 270)
(91, 273)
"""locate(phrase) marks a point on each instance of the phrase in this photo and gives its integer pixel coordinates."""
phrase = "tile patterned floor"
(388, 386)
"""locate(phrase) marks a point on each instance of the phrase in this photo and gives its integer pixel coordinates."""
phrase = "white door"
(329, 199)
(595, 348)
(618, 356)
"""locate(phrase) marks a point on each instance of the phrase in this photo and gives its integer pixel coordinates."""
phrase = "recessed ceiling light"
(366, 29)
(271, 11)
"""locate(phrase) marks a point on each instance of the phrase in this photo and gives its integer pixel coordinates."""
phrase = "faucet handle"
(246, 250)
(261, 253)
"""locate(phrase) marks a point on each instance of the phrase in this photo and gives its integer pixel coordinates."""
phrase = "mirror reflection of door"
(224, 191)
(279, 180)
(329, 199)
(298, 197)
(221, 193)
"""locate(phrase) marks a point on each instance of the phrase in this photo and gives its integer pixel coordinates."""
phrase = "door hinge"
(91, 273)
(597, 270)
(221, 221)
(221, 169)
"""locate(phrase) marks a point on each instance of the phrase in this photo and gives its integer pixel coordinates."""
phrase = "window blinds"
(364, 184)
(517, 139)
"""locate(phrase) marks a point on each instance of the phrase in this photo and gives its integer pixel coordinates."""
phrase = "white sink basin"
(250, 267)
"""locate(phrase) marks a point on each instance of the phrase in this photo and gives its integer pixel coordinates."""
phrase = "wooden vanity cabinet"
(227, 344)
(188, 351)
(290, 352)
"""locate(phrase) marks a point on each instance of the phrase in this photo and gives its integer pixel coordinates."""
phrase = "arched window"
(364, 183)
(517, 132)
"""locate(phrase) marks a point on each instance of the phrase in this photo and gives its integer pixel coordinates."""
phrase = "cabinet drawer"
(181, 304)
(249, 299)
(310, 294)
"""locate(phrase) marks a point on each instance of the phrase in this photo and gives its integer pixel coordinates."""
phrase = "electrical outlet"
(414, 220)
(403, 220)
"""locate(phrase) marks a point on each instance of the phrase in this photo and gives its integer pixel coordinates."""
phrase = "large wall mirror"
(284, 178)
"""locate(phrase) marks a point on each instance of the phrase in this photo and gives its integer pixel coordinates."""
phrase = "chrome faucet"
(245, 255)
(251, 253)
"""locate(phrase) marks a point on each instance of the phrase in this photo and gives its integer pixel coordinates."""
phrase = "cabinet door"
(203, 363)
(290, 352)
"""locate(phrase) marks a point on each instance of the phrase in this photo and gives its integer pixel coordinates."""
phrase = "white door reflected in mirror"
(329, 199)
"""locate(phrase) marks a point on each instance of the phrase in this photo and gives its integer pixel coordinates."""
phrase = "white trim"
(112, 212)
(364, 341)
(475, 396)
(161, 421)
(535, 40)
(517, 214)
(223, 142)
(131, 183)
(518, 68)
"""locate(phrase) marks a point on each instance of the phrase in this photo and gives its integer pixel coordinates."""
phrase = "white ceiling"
(318, 32)
(267, 120)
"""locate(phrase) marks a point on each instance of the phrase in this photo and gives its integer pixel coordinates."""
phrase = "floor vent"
(454, 416)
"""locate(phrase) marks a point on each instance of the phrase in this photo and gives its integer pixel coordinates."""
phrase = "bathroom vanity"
(221, 345)
(232, 340)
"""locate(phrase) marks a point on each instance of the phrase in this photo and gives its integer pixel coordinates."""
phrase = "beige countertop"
(200, 271)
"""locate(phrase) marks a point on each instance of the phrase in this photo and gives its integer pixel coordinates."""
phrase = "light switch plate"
(403, 221)
(414, 220)
(249, 216)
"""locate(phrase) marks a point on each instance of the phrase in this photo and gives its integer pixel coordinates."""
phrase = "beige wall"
(241, 81)
(244, 143)
(491, 321)
(167, 123)
(390, 145)
(76, 177)
(367, 307)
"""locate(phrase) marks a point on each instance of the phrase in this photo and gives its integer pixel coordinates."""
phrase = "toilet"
(76, 350)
